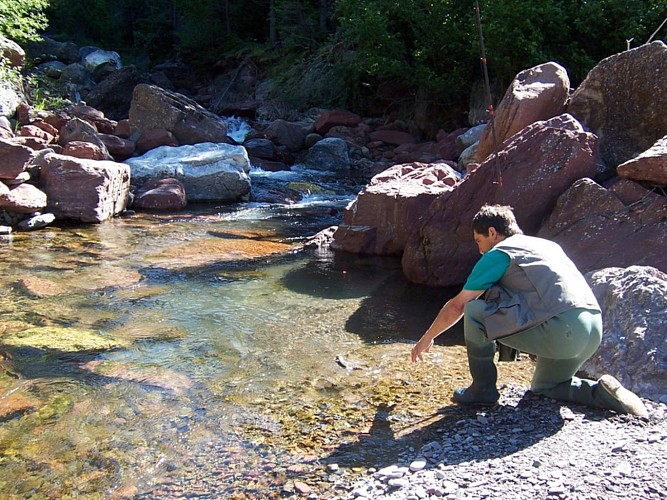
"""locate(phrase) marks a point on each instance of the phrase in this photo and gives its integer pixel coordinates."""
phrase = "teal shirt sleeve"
(488, 270)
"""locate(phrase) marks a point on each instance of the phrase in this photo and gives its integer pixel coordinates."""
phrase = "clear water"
(214, 313)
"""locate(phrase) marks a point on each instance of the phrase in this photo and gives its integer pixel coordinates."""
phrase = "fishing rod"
(489, 100)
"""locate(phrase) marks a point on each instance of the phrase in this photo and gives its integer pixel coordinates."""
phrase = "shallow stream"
(194, 353)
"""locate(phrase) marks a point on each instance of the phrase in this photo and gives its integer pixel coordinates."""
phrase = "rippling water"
(182, 330)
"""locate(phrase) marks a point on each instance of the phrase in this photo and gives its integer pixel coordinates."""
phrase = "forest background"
(372, 57)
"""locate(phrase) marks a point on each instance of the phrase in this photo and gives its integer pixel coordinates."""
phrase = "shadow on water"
(391, 309)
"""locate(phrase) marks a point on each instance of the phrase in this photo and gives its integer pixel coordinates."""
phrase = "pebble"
(528, 448)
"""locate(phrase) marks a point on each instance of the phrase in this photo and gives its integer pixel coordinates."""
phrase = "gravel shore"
(528, 447)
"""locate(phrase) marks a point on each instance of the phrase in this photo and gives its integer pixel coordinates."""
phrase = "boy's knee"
(475, 309)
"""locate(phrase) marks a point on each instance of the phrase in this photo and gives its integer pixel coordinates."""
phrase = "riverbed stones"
(210, 172)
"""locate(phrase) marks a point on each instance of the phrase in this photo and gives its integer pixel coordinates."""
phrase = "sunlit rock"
(535, 94)
(85, 190)
(209, 171)
(623, 101)
(633, 349)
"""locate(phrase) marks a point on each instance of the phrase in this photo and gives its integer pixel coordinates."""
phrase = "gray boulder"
(210, 172)
(633, 349)
(331, 154)
(101, 63)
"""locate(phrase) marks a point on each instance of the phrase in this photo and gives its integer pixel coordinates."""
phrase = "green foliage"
(22, 20)
(344, 52)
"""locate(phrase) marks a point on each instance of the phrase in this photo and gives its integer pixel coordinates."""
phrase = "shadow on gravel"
(459, 434)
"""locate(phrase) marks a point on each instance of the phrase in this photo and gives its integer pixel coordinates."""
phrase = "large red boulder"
(379, 221)
(84, 190)
(622, 226)
(536, 94)
(532, 170)
(623, 100)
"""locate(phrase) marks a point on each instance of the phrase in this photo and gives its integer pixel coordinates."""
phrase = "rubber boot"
(482, 391)
(610, 394)
(607, 393)
(480, 352)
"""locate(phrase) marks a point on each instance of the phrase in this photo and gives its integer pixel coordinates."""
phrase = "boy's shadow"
(456, 434)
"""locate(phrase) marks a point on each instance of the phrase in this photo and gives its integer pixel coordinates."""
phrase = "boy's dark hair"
(499, 217)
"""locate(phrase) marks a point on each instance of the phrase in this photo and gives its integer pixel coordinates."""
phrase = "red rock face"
(537, 165)
(595, 226)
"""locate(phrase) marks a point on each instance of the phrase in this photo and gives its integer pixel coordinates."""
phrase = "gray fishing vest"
(540, 283)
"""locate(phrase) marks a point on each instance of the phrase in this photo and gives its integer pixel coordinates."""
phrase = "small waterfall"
(237, 128)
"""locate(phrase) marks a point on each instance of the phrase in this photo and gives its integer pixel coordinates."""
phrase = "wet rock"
(260, 148)
(61, 339)
(161, 194)
(120, 149)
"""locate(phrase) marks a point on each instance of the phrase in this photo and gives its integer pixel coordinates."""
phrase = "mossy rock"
(61, 339)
